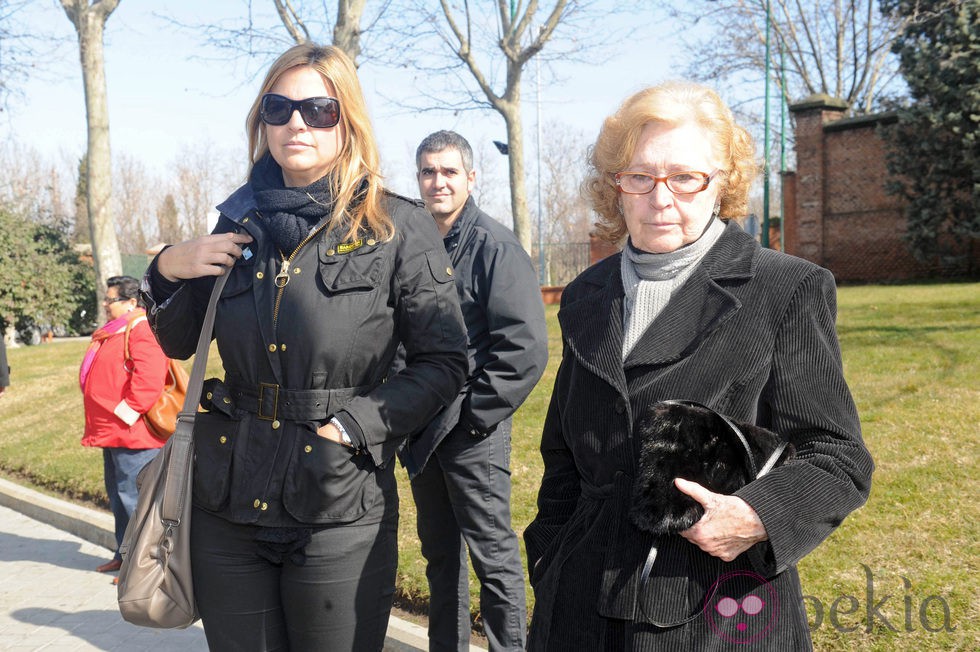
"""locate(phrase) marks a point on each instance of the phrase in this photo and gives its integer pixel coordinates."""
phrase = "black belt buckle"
(274, 389)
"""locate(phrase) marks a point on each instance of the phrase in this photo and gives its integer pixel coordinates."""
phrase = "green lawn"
(900, 574)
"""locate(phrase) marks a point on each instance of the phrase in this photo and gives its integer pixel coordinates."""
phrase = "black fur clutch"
(684, 439)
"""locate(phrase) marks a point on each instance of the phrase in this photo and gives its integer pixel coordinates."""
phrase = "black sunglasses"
(320, 112)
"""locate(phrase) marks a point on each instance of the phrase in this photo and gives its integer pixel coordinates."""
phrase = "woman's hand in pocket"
(331, 432)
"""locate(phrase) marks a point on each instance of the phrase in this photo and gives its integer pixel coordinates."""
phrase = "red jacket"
(115, 399)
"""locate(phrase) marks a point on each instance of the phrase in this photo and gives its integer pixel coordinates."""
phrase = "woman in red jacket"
(117, 392)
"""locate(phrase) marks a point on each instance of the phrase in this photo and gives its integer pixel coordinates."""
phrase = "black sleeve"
(802, 502)
(517, 334)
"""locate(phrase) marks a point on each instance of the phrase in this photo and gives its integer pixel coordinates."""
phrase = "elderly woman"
(294, 535)
(691, 309)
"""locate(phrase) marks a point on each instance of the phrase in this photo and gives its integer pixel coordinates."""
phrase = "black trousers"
(339, 598)
(463, 501)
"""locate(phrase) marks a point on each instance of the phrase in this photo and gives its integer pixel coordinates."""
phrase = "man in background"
(460, 464)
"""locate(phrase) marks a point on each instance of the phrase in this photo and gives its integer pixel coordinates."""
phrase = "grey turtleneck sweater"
(650, 279)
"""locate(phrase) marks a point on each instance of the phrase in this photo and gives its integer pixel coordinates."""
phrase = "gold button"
(371, 241)
(223, 439)
(449, 270)
(210, 396)
(259, 275)
(226, 401)
(296, 270)
(276, 424)
(308, 449)
(245, 221)
(282, 347)
(272, 348)
(330, 252)
(256, 503)
(265, 506)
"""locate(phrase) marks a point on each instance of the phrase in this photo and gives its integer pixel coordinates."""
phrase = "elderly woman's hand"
(205, 256)
(729, 526)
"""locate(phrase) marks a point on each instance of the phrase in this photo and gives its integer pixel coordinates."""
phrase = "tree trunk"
(347, 29)
(518, 186)
(89, 22)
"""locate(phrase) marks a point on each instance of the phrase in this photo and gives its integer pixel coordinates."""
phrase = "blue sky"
(162, 99)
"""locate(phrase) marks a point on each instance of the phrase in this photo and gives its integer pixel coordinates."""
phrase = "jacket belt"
(618, 488)
(270, 401)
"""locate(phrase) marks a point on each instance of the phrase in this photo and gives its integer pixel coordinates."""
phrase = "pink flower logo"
(741, 607)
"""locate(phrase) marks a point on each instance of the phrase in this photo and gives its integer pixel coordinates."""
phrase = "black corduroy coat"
(752, 334)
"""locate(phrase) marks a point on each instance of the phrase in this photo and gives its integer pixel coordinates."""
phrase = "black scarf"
(288, 214)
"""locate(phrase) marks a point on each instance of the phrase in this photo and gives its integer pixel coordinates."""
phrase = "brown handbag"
(161, 418)
(155, 582)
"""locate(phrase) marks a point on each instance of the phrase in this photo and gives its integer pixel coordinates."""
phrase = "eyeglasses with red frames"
(679, 183)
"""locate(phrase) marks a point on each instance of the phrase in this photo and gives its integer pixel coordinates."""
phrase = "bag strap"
(127, 356)
(199, 368)
(182, 441)
(645, 574)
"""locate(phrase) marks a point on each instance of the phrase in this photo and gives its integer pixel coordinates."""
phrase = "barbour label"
(347, 247)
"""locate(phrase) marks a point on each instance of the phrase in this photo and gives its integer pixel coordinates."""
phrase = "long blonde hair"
(357, 161)
(673, 104)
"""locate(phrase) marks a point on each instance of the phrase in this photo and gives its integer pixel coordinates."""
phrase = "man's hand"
(729, 526)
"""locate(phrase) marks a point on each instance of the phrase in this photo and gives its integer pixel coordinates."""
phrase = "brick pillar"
(790, 243)
(809, 117)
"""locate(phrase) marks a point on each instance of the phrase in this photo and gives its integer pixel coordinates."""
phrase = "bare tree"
(490, 179)
(519, 36)
(17, 46)
(346, 28)
(491, 44)
(33, 187)
(89, 21)
(567, 217)
(168, 220)
(834, 47)
(203, 176)
(136, 196)
(258, 38)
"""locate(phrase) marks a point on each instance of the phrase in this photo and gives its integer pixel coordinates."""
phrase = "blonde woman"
(296, 509)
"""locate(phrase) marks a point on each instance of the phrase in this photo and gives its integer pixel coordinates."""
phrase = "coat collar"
(239, 204)
(592, 325)
(462, 230)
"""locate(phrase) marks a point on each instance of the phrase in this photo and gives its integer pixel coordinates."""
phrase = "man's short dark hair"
(441, 140)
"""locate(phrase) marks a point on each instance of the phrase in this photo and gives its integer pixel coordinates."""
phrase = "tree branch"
(291, 21)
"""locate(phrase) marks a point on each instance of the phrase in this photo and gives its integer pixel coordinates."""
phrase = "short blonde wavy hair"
(357, 162)
(672, 104)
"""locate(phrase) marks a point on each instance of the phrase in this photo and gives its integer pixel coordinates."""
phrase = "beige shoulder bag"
(155, 585)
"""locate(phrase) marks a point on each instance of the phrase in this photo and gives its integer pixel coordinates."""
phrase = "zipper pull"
(282, 278)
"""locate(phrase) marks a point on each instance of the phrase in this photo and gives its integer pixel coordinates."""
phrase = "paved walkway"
(51, 599)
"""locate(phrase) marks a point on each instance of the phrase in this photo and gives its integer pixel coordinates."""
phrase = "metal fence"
(563, 261)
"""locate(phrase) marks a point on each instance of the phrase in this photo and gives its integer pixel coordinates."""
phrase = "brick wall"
(838, 214)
